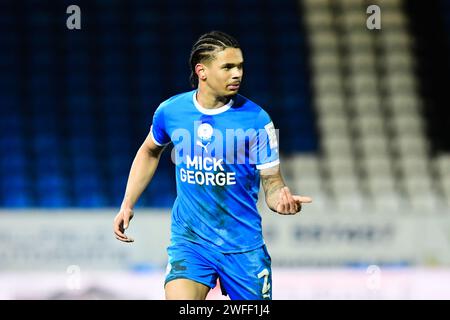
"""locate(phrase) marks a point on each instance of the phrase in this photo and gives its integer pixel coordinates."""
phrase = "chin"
(231, 93)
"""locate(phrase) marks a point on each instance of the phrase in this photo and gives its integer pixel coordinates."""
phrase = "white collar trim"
(211, 112)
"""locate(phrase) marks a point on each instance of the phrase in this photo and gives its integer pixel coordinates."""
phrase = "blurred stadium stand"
(375, 150)
(363, 118)
(77, 104)
(359, 111)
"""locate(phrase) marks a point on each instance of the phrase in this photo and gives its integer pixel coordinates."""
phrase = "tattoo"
(272, 183)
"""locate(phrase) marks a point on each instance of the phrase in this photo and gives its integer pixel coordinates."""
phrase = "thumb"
(126, 220)
(302, 199)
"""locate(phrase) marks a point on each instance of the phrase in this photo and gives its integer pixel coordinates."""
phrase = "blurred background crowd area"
(363, 123)
(363, 114)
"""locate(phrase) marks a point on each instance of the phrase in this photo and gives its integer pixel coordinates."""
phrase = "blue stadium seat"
(77, 59)
(12, 143)
(118, 122)
(91, 200)
(83, 163)
(45, 144)
(87, 182)
(218, 19)
(42, 58)
(52, 190)
(13, 162)
(70, 124)
(41, 82)
(15, 190)
(14, 181)
(9, 100)
(44, 123)
(11, 123)
(48, 163)
(56, 199)
(20, 199)
(89, 191)
(83, 143)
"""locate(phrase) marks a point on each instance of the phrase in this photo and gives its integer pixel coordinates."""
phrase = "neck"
(208, 100)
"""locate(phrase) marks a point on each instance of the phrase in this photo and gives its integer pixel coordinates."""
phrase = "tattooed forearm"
(272, 183)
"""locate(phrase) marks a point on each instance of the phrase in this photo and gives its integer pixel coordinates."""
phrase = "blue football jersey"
(217, 154)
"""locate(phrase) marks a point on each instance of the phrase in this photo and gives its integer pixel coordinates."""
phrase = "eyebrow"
(230, 65)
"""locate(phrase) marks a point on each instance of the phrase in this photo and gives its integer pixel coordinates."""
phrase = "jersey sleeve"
(158, 130)
(264, 148)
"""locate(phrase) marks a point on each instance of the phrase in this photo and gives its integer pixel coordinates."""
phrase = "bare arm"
(278, 195)
(141, 172)
(272, 183)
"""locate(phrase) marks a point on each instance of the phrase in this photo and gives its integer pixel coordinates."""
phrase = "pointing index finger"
(303, 199)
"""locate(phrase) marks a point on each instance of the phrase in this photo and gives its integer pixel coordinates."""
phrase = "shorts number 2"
(266, 286)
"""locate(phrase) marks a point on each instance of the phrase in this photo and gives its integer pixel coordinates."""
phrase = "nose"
(237, 74)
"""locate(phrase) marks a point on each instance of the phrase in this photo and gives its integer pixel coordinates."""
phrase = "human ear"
(200, 71)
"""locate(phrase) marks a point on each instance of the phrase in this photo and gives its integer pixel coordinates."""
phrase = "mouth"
(233, 86)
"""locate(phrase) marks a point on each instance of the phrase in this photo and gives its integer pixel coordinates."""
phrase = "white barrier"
(53, 241)
(288, 284)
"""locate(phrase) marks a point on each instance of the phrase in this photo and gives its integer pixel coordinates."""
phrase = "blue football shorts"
(242, 276)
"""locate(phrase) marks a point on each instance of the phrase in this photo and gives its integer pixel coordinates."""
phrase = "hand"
(289, 204)
(121, 222)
